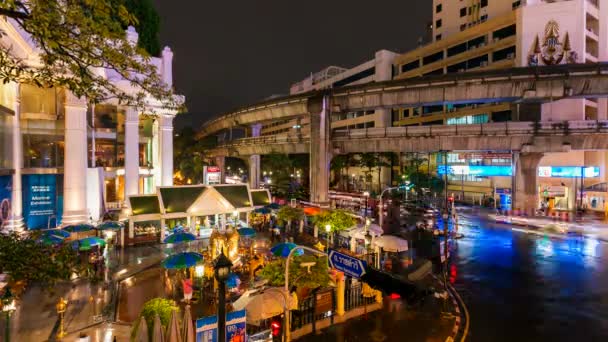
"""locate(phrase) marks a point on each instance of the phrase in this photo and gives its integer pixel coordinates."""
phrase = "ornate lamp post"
(221, 267)
(328, 231)
(61, 307)
(8, 307)
(366, 194)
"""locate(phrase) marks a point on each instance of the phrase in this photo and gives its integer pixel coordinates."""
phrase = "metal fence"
(354, 297)
(306, 312)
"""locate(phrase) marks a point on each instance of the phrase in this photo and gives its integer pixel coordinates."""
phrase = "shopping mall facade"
(64, 160)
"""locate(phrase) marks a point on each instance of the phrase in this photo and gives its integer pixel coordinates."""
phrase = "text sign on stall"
(351, 266)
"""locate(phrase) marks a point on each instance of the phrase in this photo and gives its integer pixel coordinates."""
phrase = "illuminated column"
(320, 155)
(525, 186)
(75, 164)
(166, 149)
(15, 222)
(340, 293)
(131, 152)
(254, 161)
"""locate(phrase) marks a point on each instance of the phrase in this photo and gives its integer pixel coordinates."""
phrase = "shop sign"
(503, 191)
(324, 302)
(568, 171)
(554, 191)
(40, 202)
(5, 199)
(212, 175)
(206, 327)
(484, 155)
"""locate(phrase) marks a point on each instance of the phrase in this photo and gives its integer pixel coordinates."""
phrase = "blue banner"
(41, 201)
(206, 329)
(476, 170)
(568, 171)
(235, 326)
(6, 185)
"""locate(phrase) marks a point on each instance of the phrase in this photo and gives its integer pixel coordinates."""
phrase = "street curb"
(458, 319)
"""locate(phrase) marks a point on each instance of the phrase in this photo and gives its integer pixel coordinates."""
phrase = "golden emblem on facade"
(552, 51)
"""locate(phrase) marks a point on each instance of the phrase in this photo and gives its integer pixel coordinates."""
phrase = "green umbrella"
(88, 243)
(78, 228)
(182, 260)
(51, 240)
(110, 225)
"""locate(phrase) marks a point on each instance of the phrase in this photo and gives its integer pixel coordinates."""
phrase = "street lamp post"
(328, 230)
(221, 267)
(366, 194)
(8, 307)
(287, 315)
(61, 307)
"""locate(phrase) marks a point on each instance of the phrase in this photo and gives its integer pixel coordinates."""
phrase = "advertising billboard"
(476, 170)
(41, 201)
(5, 199)
(212, 175)
(568, 171)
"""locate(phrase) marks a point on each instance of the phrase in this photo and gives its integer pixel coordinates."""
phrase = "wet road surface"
(523, 287)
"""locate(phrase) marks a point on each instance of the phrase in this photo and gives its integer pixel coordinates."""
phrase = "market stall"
(144, 220)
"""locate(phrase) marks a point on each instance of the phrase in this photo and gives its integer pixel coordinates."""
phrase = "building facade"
(64, 160)
(492, 34)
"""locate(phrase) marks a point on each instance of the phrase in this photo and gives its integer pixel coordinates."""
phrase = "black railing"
(354, 297)
(306, 312)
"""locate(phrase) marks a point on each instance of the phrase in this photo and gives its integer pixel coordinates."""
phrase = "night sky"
(233, 53)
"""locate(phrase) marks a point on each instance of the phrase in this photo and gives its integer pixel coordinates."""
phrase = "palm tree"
(337, 165)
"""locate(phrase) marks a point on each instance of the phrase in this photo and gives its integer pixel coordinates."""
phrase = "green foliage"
(414, 173)
(189, 157)
(290, 214)
(148, 24)
(299, 276)
(75, 38)
(338, 219)
(282, 167)
(32, 262)
(161, 306)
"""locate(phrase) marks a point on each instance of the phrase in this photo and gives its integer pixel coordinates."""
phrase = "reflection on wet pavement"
(522, 287)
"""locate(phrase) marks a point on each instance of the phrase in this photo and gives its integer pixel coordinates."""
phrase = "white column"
(131, 152)
(15, 223)
(75, 164)
(166, 149)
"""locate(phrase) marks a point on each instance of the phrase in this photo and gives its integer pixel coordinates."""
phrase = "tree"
(189, 156)
(236, 166)
(370, 161)
(419, 179)
(337, 165)
(290, 214)
(28, 261)
(299, 275)
(161, 307)
(281, 166)
(76, 39)
(147, 25)
(338, 219)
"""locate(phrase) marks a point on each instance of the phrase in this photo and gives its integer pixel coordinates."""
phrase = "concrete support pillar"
(131, 152)
(340, 294)
(15, 222)
(254, 171)
(166, 149)
(525, 187)
(221, 163)
(131, 229)
(315, 231)
(353, 244)
(75, 164)
(162, 229)
(320, 153)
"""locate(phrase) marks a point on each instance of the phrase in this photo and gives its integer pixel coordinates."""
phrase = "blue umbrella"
(78, 228)
(248, 232)
(56, 233)
(88, 243)
(283, 249)
(273, 206)
(262, 210)
(182, 260)
(178, 229)
(233, 281)
(110, 225)
(179, 237)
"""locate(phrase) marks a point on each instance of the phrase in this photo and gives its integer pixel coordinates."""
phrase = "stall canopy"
(236, 194)
(260, 198)
(144, 205)
(179, 199)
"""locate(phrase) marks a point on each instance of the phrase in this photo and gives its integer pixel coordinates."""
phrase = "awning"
(144, 205)
(236, 194)
(260, 197)
(178, 199)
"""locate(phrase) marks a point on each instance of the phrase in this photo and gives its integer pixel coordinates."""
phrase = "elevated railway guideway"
(528, 140)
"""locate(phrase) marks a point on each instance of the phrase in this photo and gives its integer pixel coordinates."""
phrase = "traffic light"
(276, 328)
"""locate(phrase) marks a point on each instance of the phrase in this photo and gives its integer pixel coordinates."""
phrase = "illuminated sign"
(476, 170)
(568, 171)
(212, 175)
